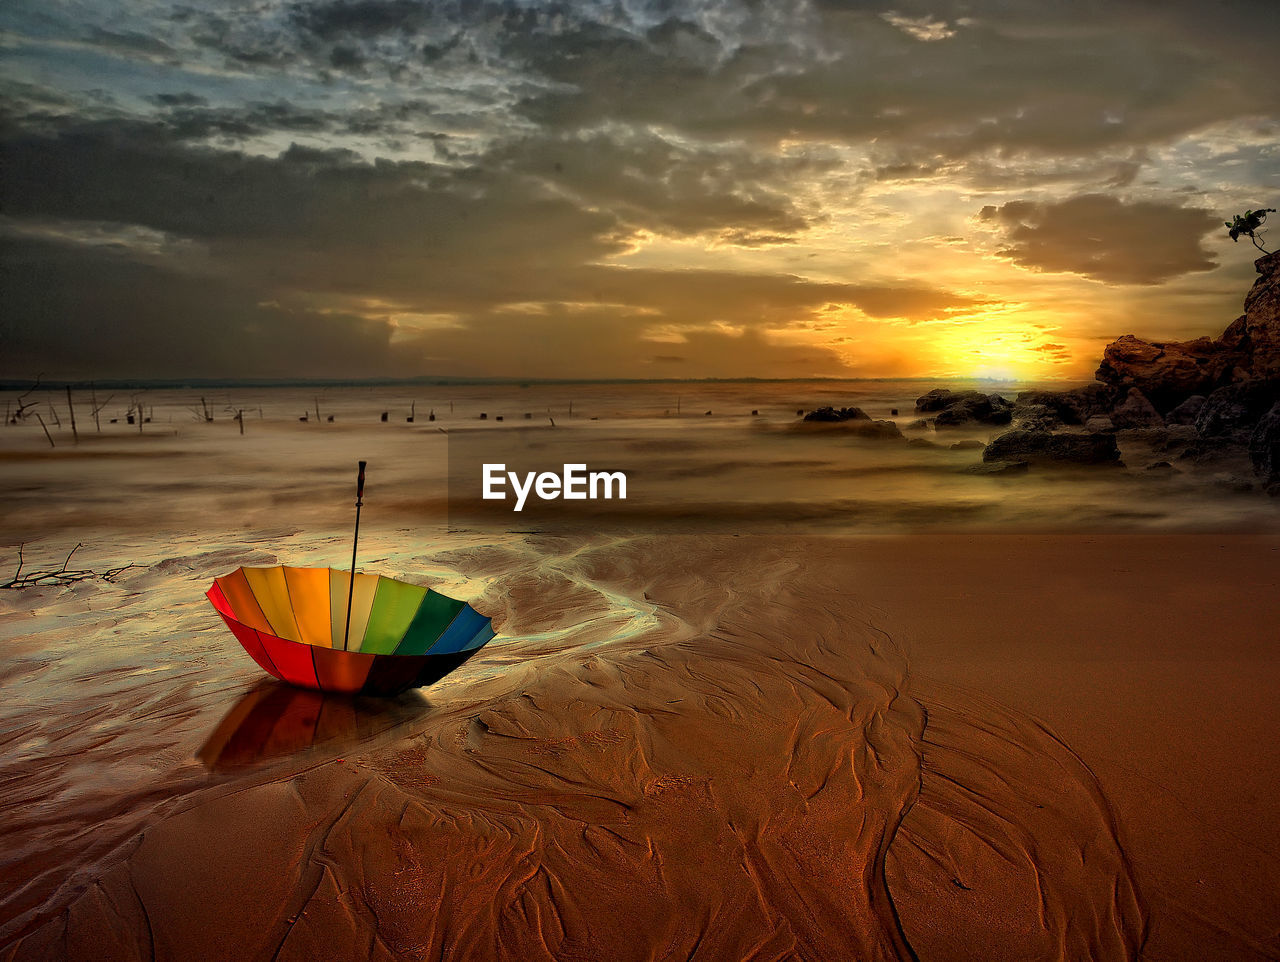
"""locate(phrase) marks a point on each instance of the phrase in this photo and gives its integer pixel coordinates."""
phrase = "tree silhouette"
(1248, 224)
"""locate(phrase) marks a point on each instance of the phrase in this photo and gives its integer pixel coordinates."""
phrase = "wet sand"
(845, 738)
(955, 747)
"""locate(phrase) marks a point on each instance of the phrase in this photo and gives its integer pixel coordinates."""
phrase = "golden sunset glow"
(604, 192)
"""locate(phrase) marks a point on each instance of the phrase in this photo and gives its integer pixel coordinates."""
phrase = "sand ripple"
(724, 755)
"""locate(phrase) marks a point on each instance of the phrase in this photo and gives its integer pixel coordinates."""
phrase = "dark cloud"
(1105, 238)
(666, 187)
(269, 245)
(929, 83)
(184, 99)
(361, 18)
(197, 121)
(93, 312)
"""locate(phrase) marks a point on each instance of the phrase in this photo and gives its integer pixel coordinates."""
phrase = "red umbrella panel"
(294, 623)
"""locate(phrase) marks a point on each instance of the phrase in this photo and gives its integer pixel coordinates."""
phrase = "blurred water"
(697, 455)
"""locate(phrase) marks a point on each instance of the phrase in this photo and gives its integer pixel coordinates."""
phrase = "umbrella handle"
(355, 543)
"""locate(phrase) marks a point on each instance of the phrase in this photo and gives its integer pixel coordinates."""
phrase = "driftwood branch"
(61, 576)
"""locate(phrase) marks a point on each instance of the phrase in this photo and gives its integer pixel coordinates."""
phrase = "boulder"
(1043, 447)
(876, 430)
(919, 424)
(1264, 447)
(1035, 417)
(1136, 412)
(969, 444)
(1071, 407)
(1185, 413)
(1232, 412)
(832, 415)
(939, 398)
(957, 408)
(922, 443)
(1099, 423)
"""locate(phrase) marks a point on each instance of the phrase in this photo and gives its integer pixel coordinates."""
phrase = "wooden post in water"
(74, 436)
(46, 430)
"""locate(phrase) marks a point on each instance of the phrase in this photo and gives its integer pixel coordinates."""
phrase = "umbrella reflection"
(273, 720)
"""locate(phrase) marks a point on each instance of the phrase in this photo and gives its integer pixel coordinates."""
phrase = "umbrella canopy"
(293, 622)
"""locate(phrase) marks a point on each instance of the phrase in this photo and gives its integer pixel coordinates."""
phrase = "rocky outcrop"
(831, 415)
(1041, 447)
(850, 421)
(1209, 402)
(1070, 407)
(1136, 412)
(1168, 373)
(959, 408)
(1186, 412)
(1261, 328)
(1232, 412)
(1264, 447)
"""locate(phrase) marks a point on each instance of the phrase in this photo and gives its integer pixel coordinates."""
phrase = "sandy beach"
(934, 744)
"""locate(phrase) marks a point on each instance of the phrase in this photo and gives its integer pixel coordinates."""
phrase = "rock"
(998, 467)
(968, 445)
(1169, 373)
(1043, 447)
(937, 399)
(965, 407)
(1136, 412)
(922, 443)
(1261, 328)
(1162, 467)
(1099, 423)
(1035, 417)
(876, 430)
(1233, 411)
(833, 415)
(1264, 447)
(1071, 407)
(919, 424)
(1185, 413)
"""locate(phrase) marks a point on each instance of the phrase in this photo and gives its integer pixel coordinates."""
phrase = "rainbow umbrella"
(320, 628)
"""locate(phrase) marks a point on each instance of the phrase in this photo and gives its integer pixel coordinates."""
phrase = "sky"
(624, 189)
